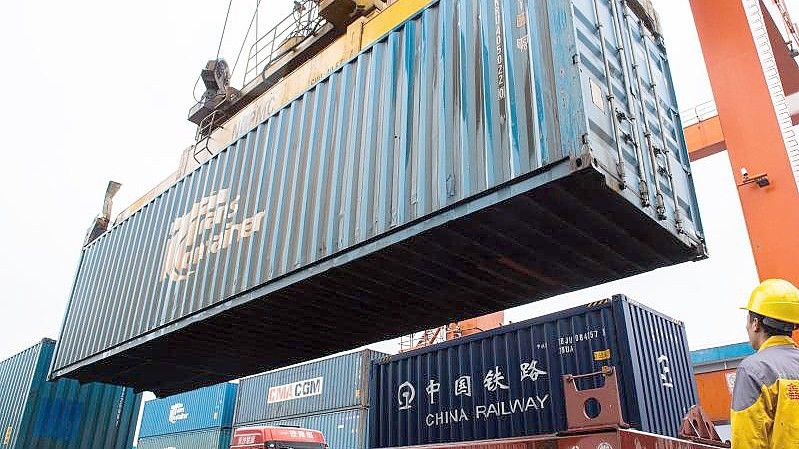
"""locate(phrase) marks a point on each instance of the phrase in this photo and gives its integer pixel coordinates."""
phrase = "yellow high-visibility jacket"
(765, 402)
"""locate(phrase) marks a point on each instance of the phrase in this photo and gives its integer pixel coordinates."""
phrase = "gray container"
(199, 439)
(337, 383)
(452, 169)
(345, 429)
(37, 414)
(508, 382)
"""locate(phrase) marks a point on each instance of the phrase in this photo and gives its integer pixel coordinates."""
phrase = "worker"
(765, 404)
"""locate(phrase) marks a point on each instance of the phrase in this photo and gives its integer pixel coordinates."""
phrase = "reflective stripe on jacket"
(765, 402)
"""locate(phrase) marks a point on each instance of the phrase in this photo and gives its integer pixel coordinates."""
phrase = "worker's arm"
(752, 416)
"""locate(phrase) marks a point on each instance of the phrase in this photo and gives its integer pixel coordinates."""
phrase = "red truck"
(267, 437)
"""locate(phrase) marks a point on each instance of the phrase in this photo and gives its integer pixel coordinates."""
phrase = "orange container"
(715, 393)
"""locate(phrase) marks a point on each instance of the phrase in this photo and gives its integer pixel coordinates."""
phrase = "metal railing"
(699, 113)
(302, 23)
(423, 339)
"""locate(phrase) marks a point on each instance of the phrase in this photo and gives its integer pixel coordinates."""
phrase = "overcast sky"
(97, 90)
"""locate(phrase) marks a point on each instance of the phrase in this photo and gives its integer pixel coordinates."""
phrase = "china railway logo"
(209, 227)
(405, 395)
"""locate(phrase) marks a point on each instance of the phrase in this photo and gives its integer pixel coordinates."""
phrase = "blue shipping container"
(507, 382)
(481, 155)
(198, 439)
(721, 353)
(205, 408)
(37, 414)
(320, 386)
(346, 429)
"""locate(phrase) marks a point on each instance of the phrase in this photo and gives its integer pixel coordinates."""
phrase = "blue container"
(37, 414)
(719, 354)
(507, 382)
(336, 383)
(345, 429)
(206, 408)
(198, 439)
(481, 155)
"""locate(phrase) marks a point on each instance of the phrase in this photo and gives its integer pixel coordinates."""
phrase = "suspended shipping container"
(480, 155)
(337, 383)
(346, 429)
(206, 408)
(198, 439)
(508, 382)
(37, 414)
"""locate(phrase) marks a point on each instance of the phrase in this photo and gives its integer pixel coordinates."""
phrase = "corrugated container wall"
(199, 439)
(346, 429)
(482, 155)
(336, 383)
(507, 382)
(37, 414)
(205, 408)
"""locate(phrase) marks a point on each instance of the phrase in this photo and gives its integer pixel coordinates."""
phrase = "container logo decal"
(295, 390)
(602, 355)
(208, 228)
(405, 396)
(7, 438)
(731, 381)
(177, 413)
(665, 372)
(494, 381)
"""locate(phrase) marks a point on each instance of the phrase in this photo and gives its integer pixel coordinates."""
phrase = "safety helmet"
(777, 299)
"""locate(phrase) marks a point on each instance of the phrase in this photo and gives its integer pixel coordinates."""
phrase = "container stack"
(715, 370)
(37, 414)
(508, 382)
(329, 395)
(200, 419)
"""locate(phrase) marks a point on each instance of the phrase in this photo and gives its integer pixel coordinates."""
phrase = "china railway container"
(37, 414)
(336, 383)
(197, 439)
(206, 408)
(345, 429)
(508, 382)
(478, 156)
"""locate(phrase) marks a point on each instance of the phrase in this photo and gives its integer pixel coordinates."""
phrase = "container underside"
(568, 234)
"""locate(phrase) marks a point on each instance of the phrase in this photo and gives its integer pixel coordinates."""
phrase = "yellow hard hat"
(777, 299)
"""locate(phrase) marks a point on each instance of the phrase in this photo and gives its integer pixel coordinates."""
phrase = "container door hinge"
(622, 175)
(660, 206)
(644, 193)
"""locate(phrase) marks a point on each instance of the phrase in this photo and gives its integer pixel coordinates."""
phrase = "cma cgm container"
(198, 439)
(345, 429)
(202, 409)
(336, 383)
(479, 155)
(37, 414)
(508, 382)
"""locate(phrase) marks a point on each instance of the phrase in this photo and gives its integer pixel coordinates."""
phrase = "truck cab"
(270, 437)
